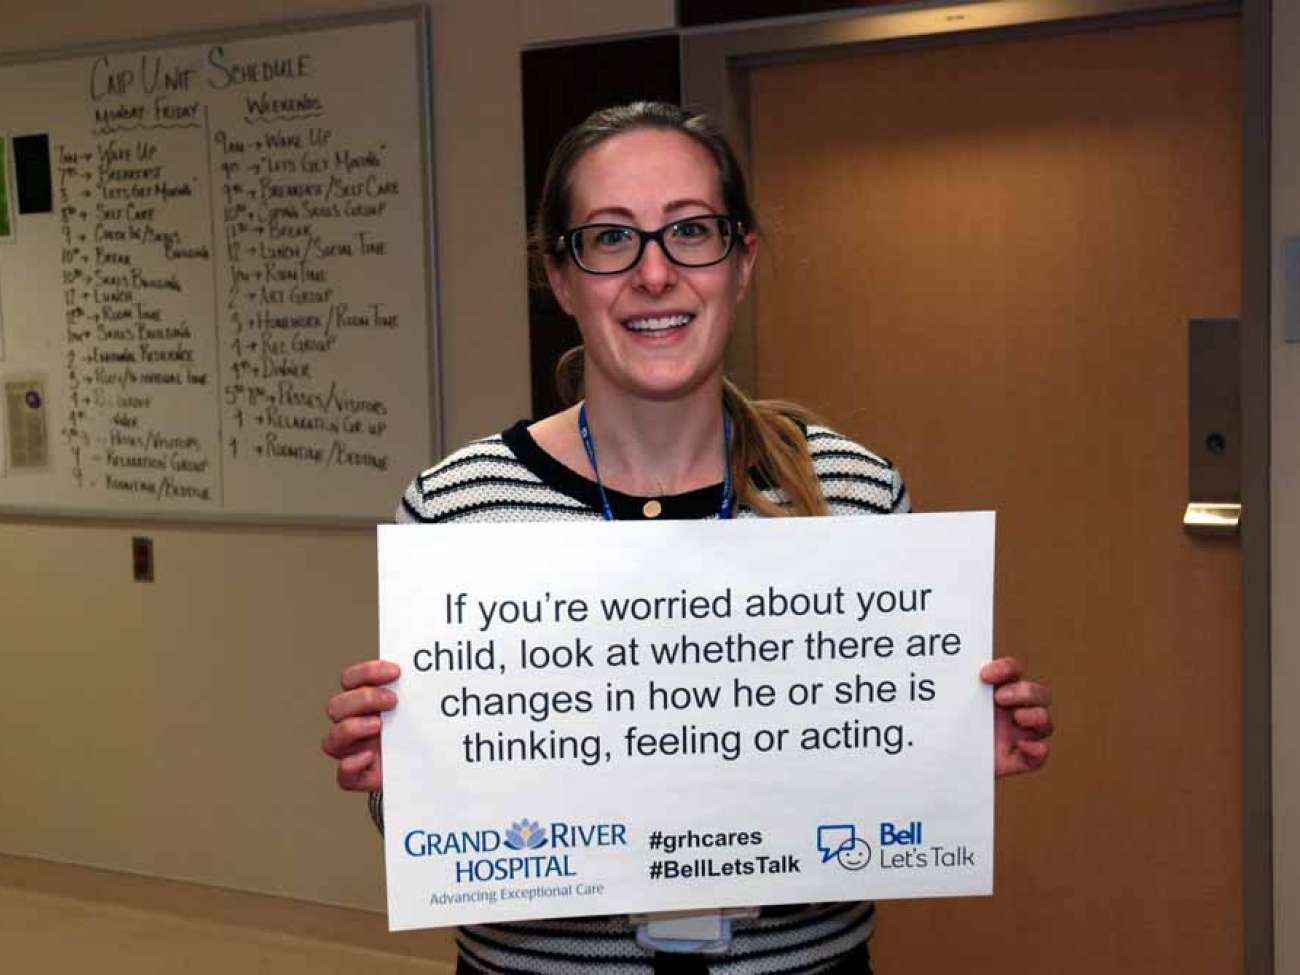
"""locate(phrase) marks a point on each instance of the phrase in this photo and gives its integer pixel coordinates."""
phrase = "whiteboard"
(216, 286)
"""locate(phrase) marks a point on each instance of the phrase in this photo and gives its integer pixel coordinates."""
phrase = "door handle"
(1213, 427)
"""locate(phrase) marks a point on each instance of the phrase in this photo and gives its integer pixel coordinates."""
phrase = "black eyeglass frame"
(564, 243)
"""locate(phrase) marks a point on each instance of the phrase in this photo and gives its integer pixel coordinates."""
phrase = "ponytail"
(569, 372)
(768, 436)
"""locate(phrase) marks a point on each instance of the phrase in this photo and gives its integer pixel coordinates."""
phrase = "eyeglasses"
(612, 248)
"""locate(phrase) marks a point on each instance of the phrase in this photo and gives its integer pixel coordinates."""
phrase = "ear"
(748, 254)
(559, 282)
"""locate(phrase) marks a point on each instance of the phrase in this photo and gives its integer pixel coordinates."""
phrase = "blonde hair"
(768, 438)
(768, 435)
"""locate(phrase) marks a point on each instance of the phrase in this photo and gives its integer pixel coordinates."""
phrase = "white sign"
(631, 717)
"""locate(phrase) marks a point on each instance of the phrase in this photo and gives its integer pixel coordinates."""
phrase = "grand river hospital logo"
(840, 842)
(525, 835)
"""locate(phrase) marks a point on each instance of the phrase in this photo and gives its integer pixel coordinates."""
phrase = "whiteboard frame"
(420, 20)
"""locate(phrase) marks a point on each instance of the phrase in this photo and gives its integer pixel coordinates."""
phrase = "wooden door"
(980, 261)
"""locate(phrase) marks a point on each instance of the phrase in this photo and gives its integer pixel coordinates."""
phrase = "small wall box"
(1291, 275)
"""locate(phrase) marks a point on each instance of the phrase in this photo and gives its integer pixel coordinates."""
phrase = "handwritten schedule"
(226, 306)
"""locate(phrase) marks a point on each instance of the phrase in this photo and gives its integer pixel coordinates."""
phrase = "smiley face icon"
(854, 854)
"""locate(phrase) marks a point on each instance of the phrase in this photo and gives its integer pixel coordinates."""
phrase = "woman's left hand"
(1022, 721)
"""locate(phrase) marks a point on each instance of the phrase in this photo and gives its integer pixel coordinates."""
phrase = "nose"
(655, 274)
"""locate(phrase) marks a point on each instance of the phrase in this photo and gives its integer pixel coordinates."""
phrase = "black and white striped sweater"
(508, 478)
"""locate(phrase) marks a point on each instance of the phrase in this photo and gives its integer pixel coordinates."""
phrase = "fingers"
(1036, 720)
(1020, 756)
(359, 767)
(1022, 694)
(353, 738)
(1023, 720)
(1001, 671)
(358, 761)
(366, 700)
(360, 772)
(347, 734)
(372, 672)
(1032, 752)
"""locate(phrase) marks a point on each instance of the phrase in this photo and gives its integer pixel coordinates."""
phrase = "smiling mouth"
(658, 325)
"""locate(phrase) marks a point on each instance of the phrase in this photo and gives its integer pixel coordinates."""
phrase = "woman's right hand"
(353, 739)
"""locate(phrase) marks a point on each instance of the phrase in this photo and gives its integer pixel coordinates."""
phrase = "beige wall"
(171, 729)
(1286, 498)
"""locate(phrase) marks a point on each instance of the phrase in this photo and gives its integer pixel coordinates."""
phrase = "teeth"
(658, 324)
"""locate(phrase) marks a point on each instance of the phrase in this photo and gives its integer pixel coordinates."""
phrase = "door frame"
(715, 62)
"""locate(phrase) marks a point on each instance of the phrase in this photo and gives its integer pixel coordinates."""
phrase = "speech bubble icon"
(833, 838)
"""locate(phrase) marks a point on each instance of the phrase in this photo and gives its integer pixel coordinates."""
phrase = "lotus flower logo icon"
(525, 835)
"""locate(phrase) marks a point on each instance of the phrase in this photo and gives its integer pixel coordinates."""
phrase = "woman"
(648, 240)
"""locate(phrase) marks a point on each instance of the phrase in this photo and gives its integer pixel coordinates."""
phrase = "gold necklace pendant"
(652, 508)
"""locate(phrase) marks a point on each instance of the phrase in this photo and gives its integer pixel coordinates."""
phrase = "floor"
(56, 918)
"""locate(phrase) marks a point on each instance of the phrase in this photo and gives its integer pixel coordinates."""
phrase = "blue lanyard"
(724, 512)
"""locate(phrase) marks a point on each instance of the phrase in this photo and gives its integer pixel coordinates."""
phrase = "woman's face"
(658, 330)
